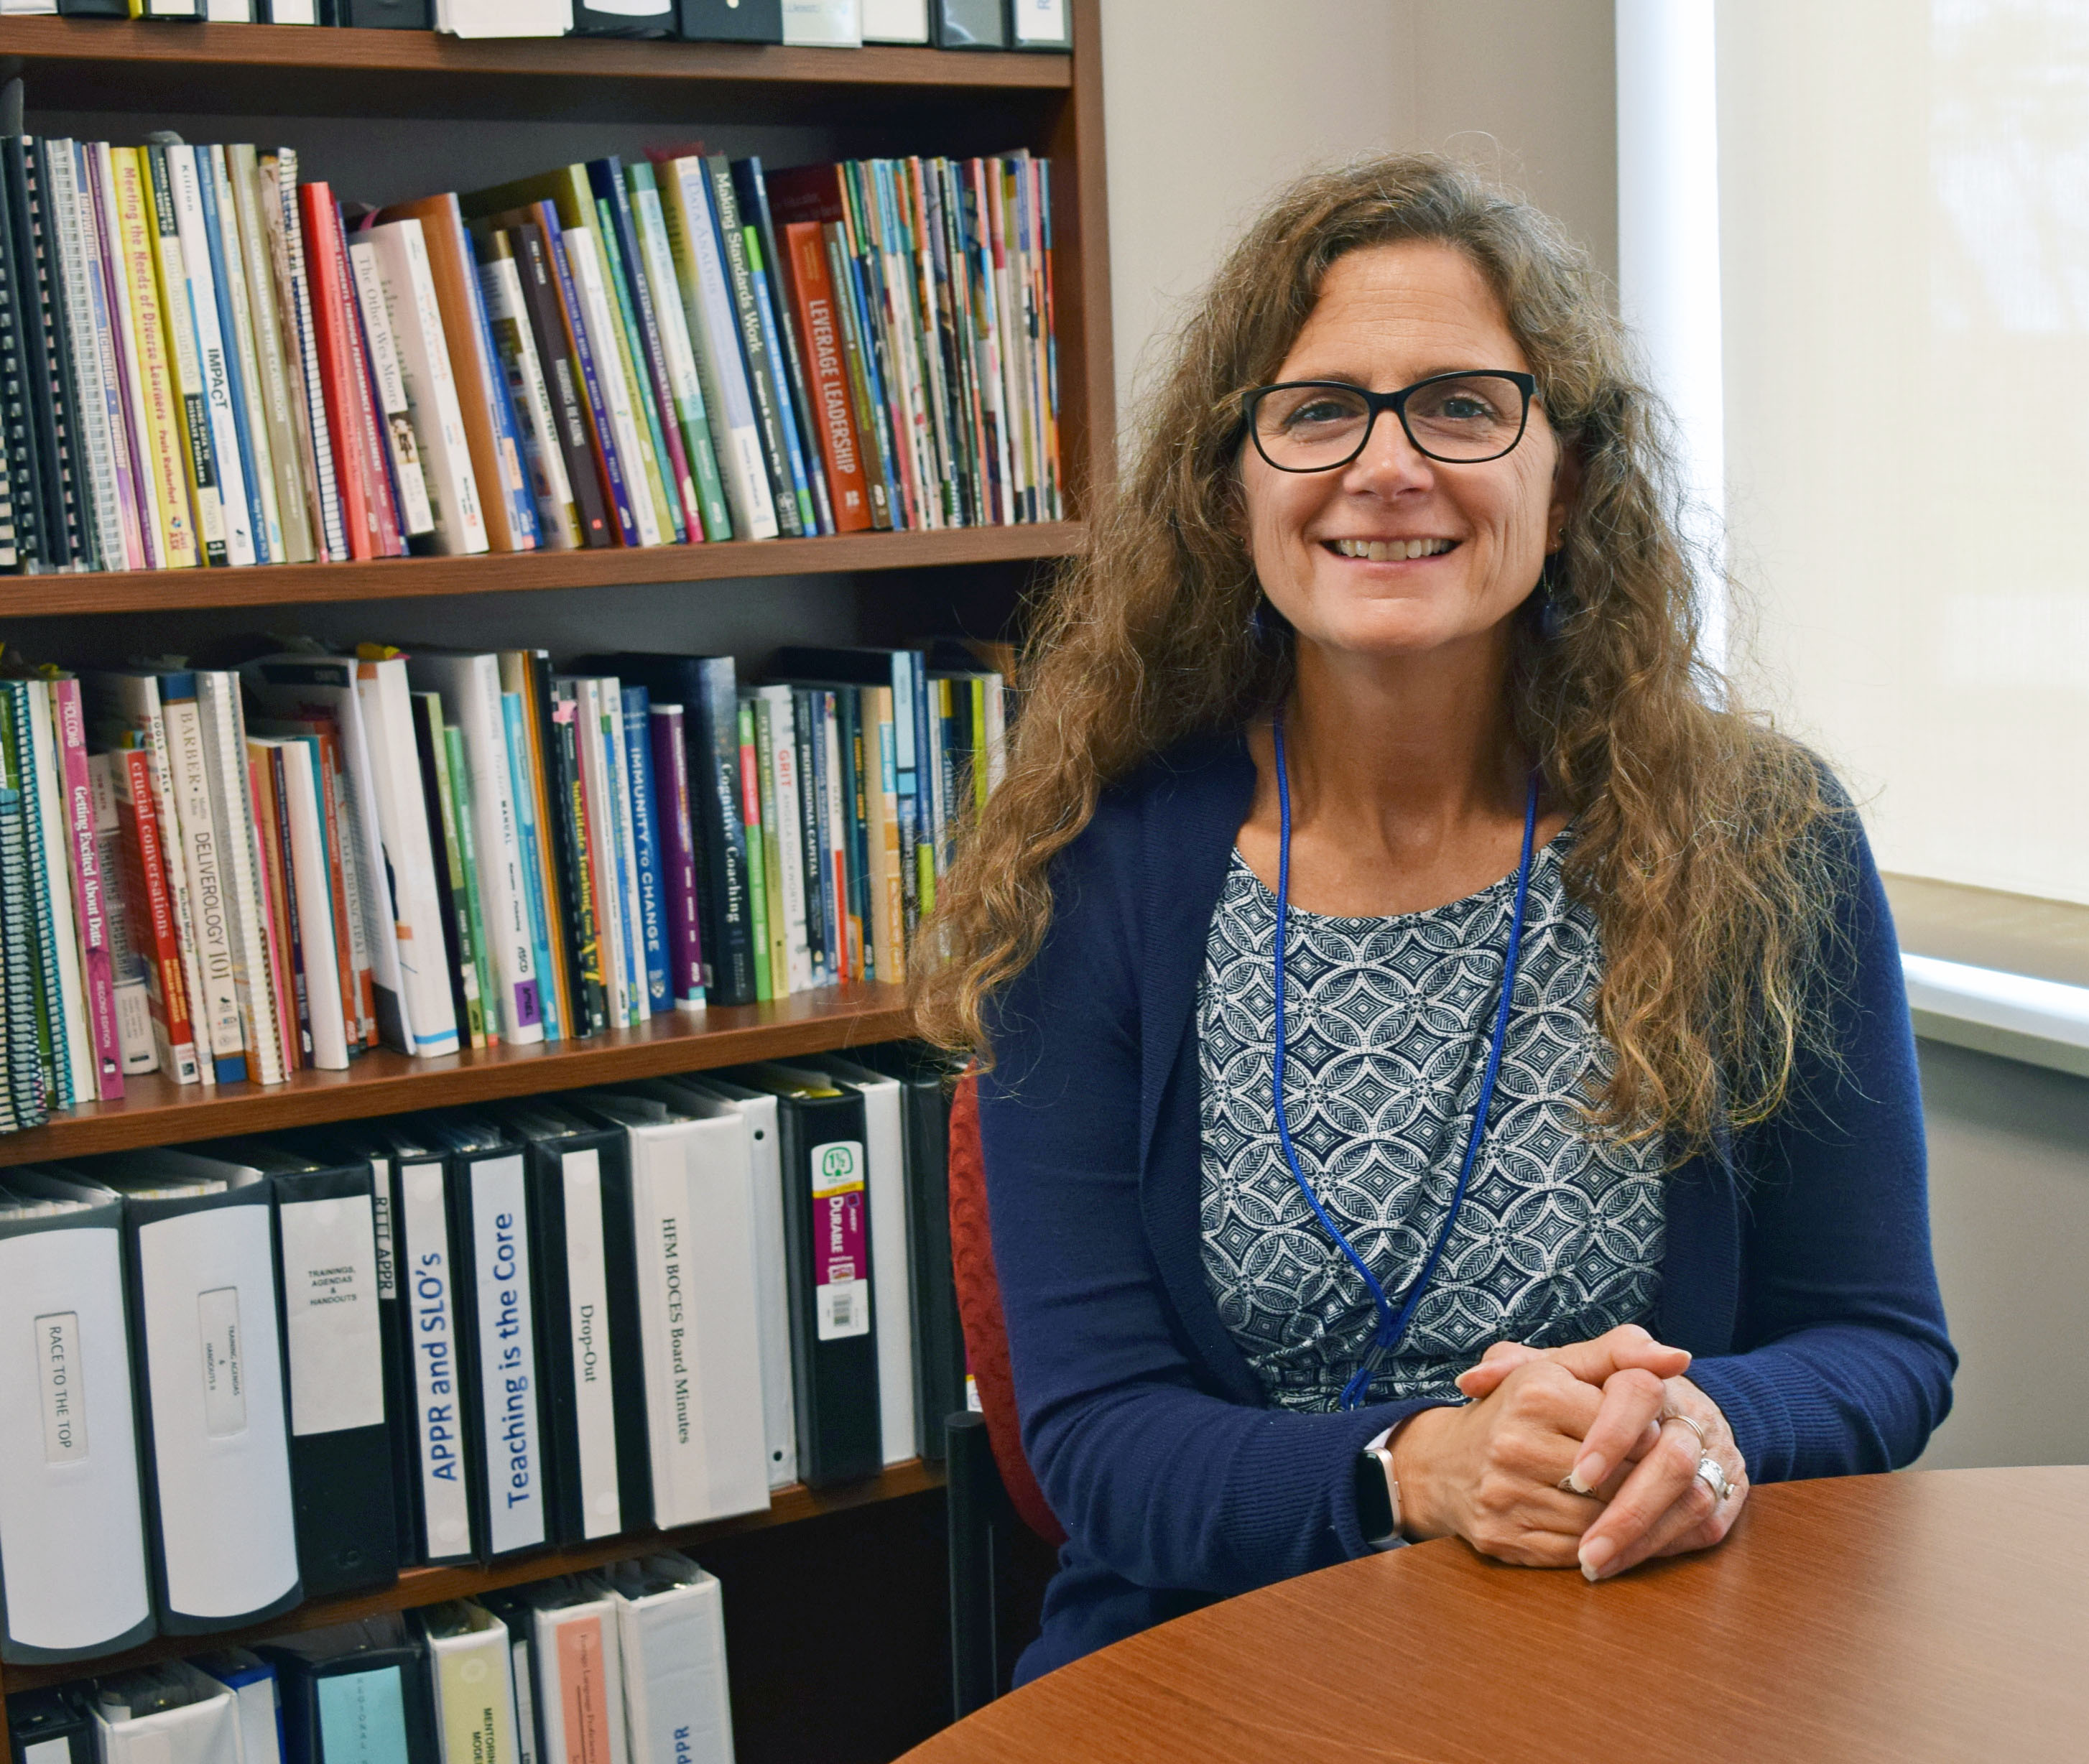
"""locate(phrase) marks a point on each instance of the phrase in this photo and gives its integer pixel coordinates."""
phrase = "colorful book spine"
(646, 841)
(153, 926)
(758, 881)
(529, 838)
(678, 857)
(89, 889)
(282, 209)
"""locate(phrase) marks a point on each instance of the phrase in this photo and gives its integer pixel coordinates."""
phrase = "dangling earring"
(1553, 611)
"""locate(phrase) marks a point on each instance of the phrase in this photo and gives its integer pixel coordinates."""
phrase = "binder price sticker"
(841, 1247)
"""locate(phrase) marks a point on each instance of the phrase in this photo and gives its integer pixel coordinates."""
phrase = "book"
(829, 1228)
(670, 1641)
(353, 1694)
(394, 421)
(769, 420)
(573, 848)
(252, 1680)
(541, 904)
(278, 385)
(220, 720)
(340, 414)
(70, 1059)
(136, 1046)
(429, 1020)
(572, 425)
(192, 204)
(469, 1676)
(709, 312)
(652, 890)
(278, 174)
(73, 1579)
(500, 284)
(89, 885)
(692, 1206)
(581, 1226)
(220, 217)
(510, 523)
(200, 1274)
(803, 265)
(676, 834)
(463, 924)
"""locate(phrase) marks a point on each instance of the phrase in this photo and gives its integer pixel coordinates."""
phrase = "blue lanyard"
(1391, 1328)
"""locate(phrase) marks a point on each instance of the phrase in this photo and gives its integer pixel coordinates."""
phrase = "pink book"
(89, 908)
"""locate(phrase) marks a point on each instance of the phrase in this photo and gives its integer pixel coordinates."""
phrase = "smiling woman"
(1397, 961)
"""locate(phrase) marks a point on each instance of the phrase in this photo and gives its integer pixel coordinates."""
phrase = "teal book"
(530, 838)
(459, 801)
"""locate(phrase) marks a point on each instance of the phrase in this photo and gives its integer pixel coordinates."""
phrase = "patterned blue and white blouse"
(1389, 1020)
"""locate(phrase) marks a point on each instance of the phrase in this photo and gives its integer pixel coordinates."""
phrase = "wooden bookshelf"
(432, 1586)
(128, 76)
(155, 1111)
(284, 584)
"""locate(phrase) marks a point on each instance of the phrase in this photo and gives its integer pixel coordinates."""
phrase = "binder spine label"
(65, 1406)
(594, 1408)
(584, 1691)
(330, 1315)
(840, 1259)
(507, 1369)
(362, 1717)
(445, 1503)
(224, 1375)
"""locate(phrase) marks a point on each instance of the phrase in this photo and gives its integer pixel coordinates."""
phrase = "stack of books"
(208, 359)
(629, 1663)
(231, 875)
(303, 1363)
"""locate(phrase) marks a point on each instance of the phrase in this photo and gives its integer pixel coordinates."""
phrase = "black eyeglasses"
(1321, 425)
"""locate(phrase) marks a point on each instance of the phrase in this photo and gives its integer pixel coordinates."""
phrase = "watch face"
(1373, 1499)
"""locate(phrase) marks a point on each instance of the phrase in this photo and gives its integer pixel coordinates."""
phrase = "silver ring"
(1671, 1415)
(1713, 1476)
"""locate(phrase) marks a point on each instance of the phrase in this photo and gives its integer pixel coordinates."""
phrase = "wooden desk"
(1941, 1615)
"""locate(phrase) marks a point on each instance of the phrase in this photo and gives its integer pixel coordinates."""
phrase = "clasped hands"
(1562, 1456)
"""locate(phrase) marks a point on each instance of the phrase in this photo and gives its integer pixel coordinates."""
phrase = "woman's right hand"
(1490, 1472)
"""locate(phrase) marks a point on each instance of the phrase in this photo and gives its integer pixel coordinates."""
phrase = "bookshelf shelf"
(419, 1586)
(155, 1112)
(256, 69)
(281, 584)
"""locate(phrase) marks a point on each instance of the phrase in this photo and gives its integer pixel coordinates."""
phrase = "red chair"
(992, 1486)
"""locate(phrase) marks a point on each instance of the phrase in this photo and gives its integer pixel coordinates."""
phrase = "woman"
(1383, 660)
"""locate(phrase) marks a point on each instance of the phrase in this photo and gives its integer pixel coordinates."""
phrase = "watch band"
(1377, 1495)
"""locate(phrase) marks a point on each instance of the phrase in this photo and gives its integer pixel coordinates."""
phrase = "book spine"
(846, 929)
(321, 231)
(732, 249)
(279, 192)
(141, 536)
(89, 887)
(646, 841)
(621, 238)
(754, 211)
(380, 487)
(190, 774)
(396, 427)
(158, 393)
(605, 334)
(145, 869)
(616, 763)
(90, 394)
(678, 857)
(507, 437)
(26, 1101)
(460, 796)
(61, 1018)
(811, 293)
(721, 836)
(358, 1023)
(196, 210)
(17, 414)
(500, 282)
(149, 724)
(687, 384)
(233, 296)
(272, 378)
(892, 320)
(65, 524)
(576, 866)
(713, 329)
(392, 407)
(767, 317)
(532, 680)
(289, 985)
(618, 451)
(757, 857)
(529, 841)
(900, 186)
(232, 811)
(893, 845)
(781, 866)
(178, 302)
(875, 454)
(571, 422)
(136, 1043)
(406, 281)
(604, 856)
(663, 478)
(442, 833)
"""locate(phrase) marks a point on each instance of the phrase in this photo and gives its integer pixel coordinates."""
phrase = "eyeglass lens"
(1467, 416)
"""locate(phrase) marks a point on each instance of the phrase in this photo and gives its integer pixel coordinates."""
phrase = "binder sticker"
(362, 1717)
(57, 1376)
(223, 1377)
(841, 1256)
(330, 1324)
(584, 1691)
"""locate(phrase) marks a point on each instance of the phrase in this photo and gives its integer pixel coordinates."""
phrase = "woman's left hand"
(1663, 1507)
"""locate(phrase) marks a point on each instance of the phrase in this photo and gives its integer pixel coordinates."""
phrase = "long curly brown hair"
(1698, 844)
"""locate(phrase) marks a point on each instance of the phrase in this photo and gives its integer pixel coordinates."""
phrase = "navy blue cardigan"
(1797, 1266)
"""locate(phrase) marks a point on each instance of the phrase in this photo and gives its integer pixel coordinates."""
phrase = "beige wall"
(1210, 105)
